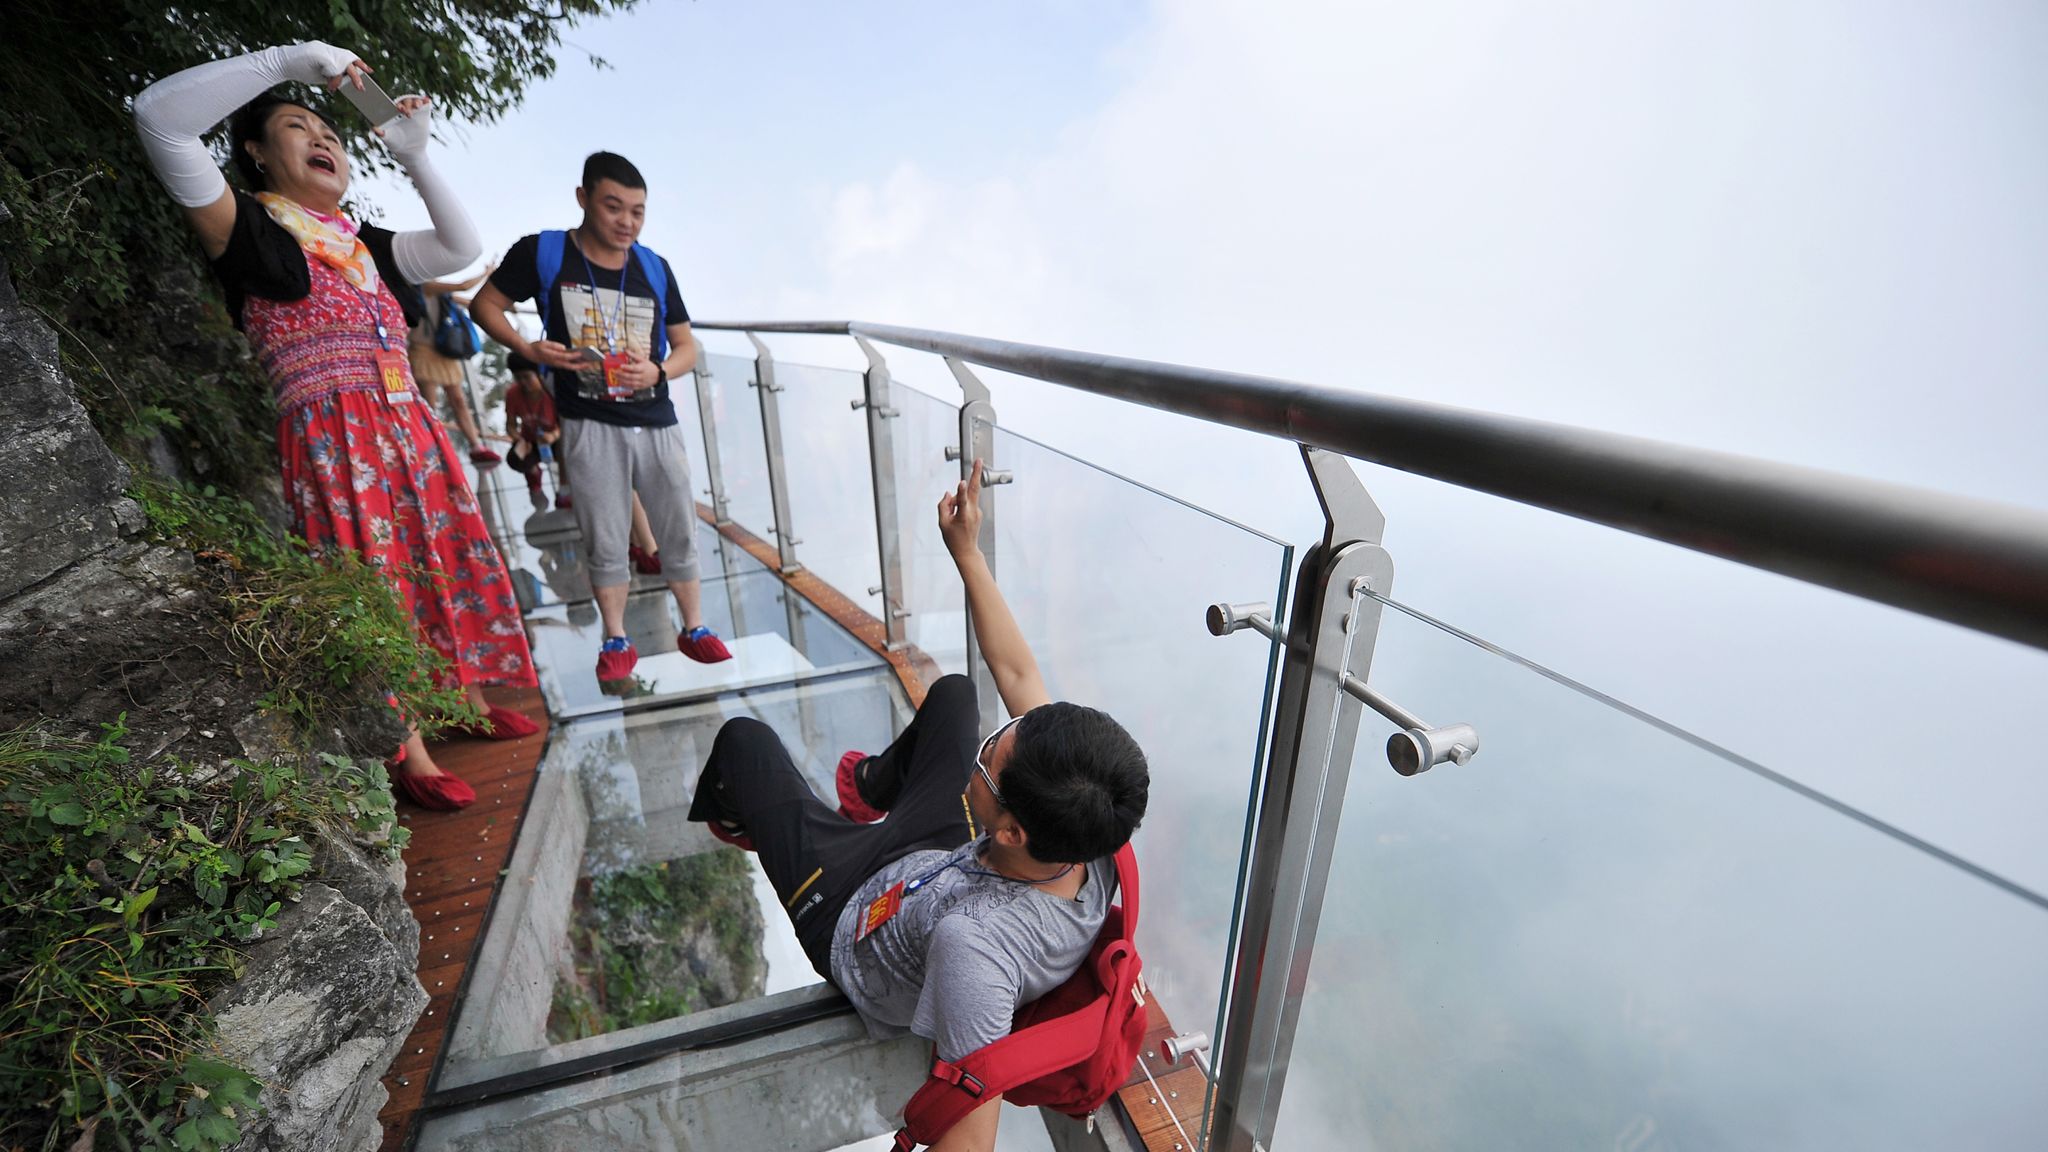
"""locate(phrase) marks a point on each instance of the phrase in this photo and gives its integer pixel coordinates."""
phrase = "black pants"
(523, 457)
(816, 858)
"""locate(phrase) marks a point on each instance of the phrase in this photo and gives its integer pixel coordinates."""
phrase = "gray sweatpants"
(607, 463)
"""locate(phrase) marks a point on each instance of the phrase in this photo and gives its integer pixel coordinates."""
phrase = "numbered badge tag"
(879, 912)
(391, 372)
(615, 384)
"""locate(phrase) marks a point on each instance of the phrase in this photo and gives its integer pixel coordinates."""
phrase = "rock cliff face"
(95, 622)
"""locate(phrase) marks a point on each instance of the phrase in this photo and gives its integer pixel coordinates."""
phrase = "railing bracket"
(1417, 747)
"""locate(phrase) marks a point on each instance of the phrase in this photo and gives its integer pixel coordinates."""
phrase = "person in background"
(644, 553)
(366, 467)
(615, 333)
(440, 375)
(532, 424)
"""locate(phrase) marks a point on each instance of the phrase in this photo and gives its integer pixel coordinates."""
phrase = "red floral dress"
(381, 478)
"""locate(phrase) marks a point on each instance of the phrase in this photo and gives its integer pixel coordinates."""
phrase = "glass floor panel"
(776, 636)
(545, 561)
(617, 912)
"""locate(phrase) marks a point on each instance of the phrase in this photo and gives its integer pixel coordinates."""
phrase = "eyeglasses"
(981, 760)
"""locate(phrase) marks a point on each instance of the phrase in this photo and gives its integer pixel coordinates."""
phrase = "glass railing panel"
(688, 418)
(937, 624)
(1110, 582)
(1603, 933)
(743, 460)
(831, 486)
(620, 913)
(774, 633)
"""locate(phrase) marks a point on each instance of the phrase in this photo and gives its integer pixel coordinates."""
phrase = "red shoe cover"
(500, 724)
(484, 456)
(851, 805)
(739, 840)
(644, 562)
(443, 793)
(705, 649)
(616, 665)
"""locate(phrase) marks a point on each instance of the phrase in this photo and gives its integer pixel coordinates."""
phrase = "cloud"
(1805, 232)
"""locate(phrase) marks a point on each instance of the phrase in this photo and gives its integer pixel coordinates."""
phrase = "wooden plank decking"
(452, 868)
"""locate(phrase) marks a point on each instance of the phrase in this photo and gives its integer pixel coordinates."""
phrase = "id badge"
(615, 385)
(879, 912)
(391, 373)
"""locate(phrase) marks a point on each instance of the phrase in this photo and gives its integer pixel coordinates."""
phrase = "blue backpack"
(548, 260)
(456, 336)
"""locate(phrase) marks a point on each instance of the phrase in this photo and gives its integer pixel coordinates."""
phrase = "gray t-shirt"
(965, 950)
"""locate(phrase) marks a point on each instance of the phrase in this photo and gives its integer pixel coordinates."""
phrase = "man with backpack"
(986, 883)
(615, 334)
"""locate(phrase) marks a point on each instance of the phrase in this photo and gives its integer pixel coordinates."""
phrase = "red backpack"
(1068, 1050)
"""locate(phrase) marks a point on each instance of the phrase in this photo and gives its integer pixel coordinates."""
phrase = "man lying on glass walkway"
(989, 878)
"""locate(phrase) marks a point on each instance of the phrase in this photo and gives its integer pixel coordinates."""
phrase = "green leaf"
(138, 904)
(69, 814)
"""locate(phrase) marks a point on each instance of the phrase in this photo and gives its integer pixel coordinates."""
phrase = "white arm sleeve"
(452, 243)
(171, 114)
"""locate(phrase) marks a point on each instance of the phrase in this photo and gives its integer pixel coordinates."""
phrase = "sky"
(1806, 231)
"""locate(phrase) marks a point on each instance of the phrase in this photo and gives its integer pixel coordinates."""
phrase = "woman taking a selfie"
(366, 466)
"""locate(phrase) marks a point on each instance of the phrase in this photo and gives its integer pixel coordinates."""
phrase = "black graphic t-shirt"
(579, 313)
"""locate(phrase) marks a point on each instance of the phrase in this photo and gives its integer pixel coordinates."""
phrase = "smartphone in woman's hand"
(371, 101)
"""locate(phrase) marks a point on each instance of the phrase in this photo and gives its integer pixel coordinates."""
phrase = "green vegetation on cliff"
(318, 632)
(126, 889)
(660, 940)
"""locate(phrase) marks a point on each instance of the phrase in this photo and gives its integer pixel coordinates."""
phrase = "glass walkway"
(1547, 920)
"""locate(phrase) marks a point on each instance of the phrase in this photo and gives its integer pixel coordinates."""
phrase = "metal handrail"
(1977, 563)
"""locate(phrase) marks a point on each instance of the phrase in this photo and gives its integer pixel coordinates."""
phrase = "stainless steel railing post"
(1331, 631)
(882, 468)
(978, 442)
(707, 422)
(771, 442)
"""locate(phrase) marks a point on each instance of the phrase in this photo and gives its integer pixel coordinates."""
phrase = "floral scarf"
(331, 238)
